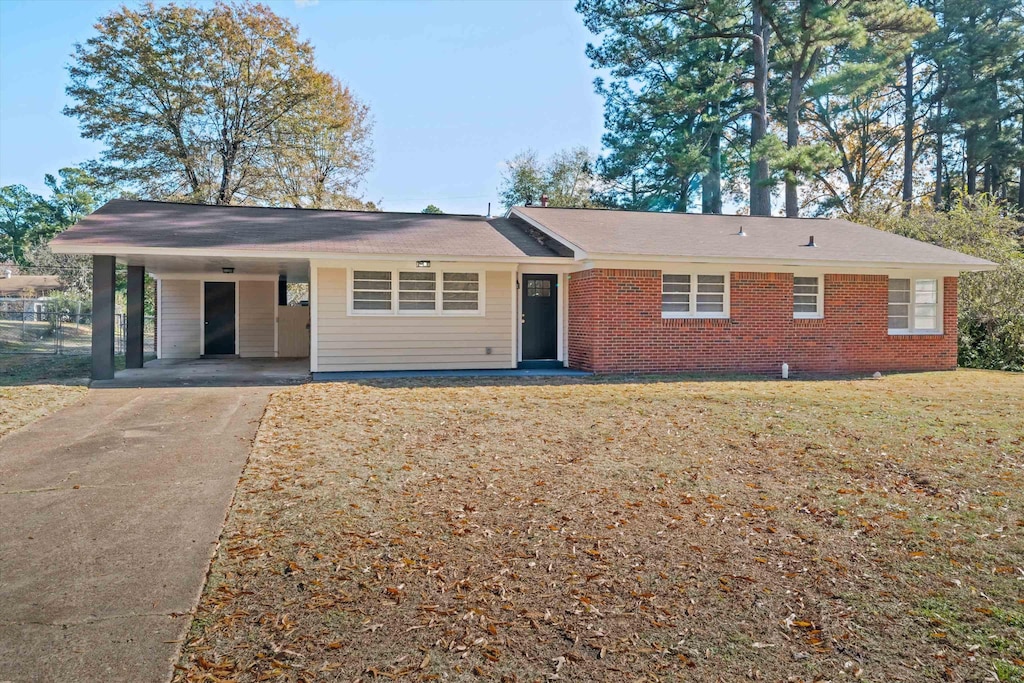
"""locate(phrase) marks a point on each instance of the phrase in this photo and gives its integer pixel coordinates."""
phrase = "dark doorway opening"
(218, 318)
(540, 317)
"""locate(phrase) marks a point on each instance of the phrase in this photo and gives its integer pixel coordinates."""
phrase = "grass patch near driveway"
(24, 404)
(21, 369)
(623, 530)
(33, 386)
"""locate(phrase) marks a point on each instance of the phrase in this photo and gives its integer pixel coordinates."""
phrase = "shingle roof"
(123, 225)
(120, 226)
(635, 233)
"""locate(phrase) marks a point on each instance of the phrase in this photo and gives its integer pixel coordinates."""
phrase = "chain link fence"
(32, 330)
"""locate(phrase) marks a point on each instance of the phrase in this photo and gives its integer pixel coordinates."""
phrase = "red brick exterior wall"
(615, 325)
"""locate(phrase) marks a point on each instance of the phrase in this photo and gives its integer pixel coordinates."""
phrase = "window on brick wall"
(694, 295)
(914, 306)
(807, 297)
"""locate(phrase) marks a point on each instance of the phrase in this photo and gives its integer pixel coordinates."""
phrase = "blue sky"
(454, 88)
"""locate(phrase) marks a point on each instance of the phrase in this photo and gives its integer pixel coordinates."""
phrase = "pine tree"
(673, 109)
(805, 34)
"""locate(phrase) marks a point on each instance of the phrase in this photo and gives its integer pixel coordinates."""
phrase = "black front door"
(540, 317)
(219, 318)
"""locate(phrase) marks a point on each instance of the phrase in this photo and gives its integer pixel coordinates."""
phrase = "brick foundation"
(615, 325)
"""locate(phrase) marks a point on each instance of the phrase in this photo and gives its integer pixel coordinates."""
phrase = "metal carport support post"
(103, 317)
(133, 346)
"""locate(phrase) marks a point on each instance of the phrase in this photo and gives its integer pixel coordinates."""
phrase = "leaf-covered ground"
(24, 368)
(21, 405)
(623, 530)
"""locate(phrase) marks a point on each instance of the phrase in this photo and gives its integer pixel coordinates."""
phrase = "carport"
(230, 309)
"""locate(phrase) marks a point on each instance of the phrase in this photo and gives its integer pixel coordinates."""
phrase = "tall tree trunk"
(760, 193)
(683, 200)
(908, 136)
(711, 183)
(971, 161)
(1020, 186)
(939, 145)
(793, 137)
(228, 156)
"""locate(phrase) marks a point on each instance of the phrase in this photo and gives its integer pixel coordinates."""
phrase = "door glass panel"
(538, 288)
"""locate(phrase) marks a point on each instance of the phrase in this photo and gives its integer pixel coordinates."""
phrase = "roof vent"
(810, 242)
(741, 233)
(529, 201)
(544, 200)
(8, 274)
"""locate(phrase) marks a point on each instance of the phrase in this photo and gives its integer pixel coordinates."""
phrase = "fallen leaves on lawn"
(602, 530)
(21, 405)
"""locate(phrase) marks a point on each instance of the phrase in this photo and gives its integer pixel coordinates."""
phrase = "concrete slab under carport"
(211, 372)
(111, 512)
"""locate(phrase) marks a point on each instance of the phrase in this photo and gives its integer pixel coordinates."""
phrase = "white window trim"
(819, 312)
(438, 294)
(693, 313)
(939, 305)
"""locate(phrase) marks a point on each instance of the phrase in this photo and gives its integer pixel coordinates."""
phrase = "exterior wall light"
(423, 264)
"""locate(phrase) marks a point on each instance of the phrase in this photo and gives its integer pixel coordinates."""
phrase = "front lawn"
(30, 368)
(34, 386)
(623, 530)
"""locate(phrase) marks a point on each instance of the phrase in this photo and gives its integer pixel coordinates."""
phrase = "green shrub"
(991, 303)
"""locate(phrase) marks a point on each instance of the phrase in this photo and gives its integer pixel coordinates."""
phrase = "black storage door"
(219, 320)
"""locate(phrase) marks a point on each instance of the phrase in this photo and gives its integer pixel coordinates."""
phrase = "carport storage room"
(217, 317)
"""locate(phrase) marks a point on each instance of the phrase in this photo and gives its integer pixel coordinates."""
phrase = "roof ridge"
(296, 208)
(675, 213)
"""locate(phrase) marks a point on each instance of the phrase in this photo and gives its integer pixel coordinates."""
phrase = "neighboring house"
(598, 290)
(25, 293)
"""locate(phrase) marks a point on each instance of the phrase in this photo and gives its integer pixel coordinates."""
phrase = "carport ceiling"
(297, 270)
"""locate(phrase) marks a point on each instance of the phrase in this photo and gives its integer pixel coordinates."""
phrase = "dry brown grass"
(626, 530)
(21, 405)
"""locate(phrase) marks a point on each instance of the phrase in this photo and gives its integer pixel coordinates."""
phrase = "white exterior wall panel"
(347, 343)
(179, 318)
(257, 306)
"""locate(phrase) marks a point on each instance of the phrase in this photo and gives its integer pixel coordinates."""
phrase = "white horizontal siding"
(178, 309)
(257, 304)
(379, 342)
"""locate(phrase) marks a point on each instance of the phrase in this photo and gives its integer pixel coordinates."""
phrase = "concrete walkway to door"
(110, 511)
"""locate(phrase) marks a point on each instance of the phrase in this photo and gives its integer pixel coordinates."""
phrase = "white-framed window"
(415, 292)
(915, 305)
(461, 292)
(694, 295)
(372, 291)
(807, 297)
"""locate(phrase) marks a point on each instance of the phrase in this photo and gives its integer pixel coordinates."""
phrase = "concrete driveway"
(110, 511)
